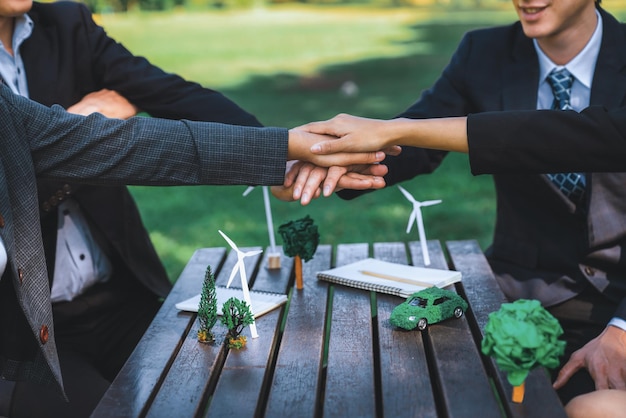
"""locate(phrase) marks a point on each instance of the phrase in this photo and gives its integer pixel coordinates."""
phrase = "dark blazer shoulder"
(497, 45)
(61, 11)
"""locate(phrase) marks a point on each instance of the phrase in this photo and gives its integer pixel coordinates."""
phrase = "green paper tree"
(236, 315)
(300, 240)
(207, 309)
(521, 336)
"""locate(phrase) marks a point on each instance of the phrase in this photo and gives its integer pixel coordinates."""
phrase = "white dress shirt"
(11, 66)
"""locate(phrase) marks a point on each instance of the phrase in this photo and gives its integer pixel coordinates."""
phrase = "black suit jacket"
(69, 56)
(533, 141)
(543, 246)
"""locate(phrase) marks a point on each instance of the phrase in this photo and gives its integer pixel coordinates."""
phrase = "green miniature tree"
(300, 240)
(236, 315)
(207, 309)
(521, 336)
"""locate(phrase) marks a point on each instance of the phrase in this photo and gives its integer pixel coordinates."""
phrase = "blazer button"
(46, 206)
(589, 271)
(43, 334)
(1, 221)
(67, 189)
(20, 275)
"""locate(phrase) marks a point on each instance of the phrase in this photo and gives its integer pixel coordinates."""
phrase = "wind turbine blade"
(248, 190)
(430, 202)
(229, 241)
(412, 219)
(251, 253)
(246, 297)
(234, 272)
(406, 194)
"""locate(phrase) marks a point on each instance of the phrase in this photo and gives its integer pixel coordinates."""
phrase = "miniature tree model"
(207, 309)
(300, 240)
(236, 315)
(521, 336)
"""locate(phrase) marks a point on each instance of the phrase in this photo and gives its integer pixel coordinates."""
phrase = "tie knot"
(561, 82)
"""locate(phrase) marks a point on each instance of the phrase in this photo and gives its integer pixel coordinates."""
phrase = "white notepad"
(262, 302)
(392, 278)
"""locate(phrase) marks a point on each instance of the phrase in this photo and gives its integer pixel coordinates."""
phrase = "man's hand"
(107, 102)
(604, 357)
(303, 180)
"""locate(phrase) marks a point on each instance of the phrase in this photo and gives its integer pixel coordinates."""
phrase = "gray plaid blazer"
(51, 143)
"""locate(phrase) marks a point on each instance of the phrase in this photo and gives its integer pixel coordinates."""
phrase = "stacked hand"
(328, 159)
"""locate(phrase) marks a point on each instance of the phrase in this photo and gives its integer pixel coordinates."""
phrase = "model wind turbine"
(416, 216)
(273, 258)
(241, 268)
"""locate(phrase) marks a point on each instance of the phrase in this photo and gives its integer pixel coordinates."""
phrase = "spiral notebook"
(262, 302)
(392, 278)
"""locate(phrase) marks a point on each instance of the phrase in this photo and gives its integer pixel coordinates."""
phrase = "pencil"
(396, 279)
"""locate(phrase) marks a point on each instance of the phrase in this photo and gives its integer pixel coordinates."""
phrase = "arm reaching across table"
(530, 141)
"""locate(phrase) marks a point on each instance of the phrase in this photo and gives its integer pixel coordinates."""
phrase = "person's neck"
(561, 48)
(7, 25)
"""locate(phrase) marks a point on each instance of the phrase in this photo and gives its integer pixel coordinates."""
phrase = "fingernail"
(316, 148)
(380, 156)
(305, 197)
(327, 191)
(296, 192)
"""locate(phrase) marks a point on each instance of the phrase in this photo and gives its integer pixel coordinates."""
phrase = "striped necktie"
(571, 185)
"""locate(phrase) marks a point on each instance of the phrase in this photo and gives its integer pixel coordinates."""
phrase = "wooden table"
(370, 369)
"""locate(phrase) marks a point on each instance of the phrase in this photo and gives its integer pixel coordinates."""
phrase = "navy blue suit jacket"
(532, 141)
(543, 247)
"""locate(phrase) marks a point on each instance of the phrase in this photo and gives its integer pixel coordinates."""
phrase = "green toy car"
(427, 306)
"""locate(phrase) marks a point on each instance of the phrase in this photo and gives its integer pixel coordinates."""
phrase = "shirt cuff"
(619, 323)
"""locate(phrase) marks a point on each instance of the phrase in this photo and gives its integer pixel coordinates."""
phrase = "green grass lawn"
(286, 65)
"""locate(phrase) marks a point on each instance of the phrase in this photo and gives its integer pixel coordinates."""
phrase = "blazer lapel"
(609, 80)
(520, 75)
(38, 54)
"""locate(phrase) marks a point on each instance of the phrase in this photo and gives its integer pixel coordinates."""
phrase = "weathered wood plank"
(403, 362)
(297, 376)
(350, 381)
(464, 389)
(239, 390)
(274, 280)
(484, 296)
(188, 384)
(133, 388)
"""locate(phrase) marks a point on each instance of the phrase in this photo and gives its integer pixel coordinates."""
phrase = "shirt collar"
(582, 66)
(23, 29)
